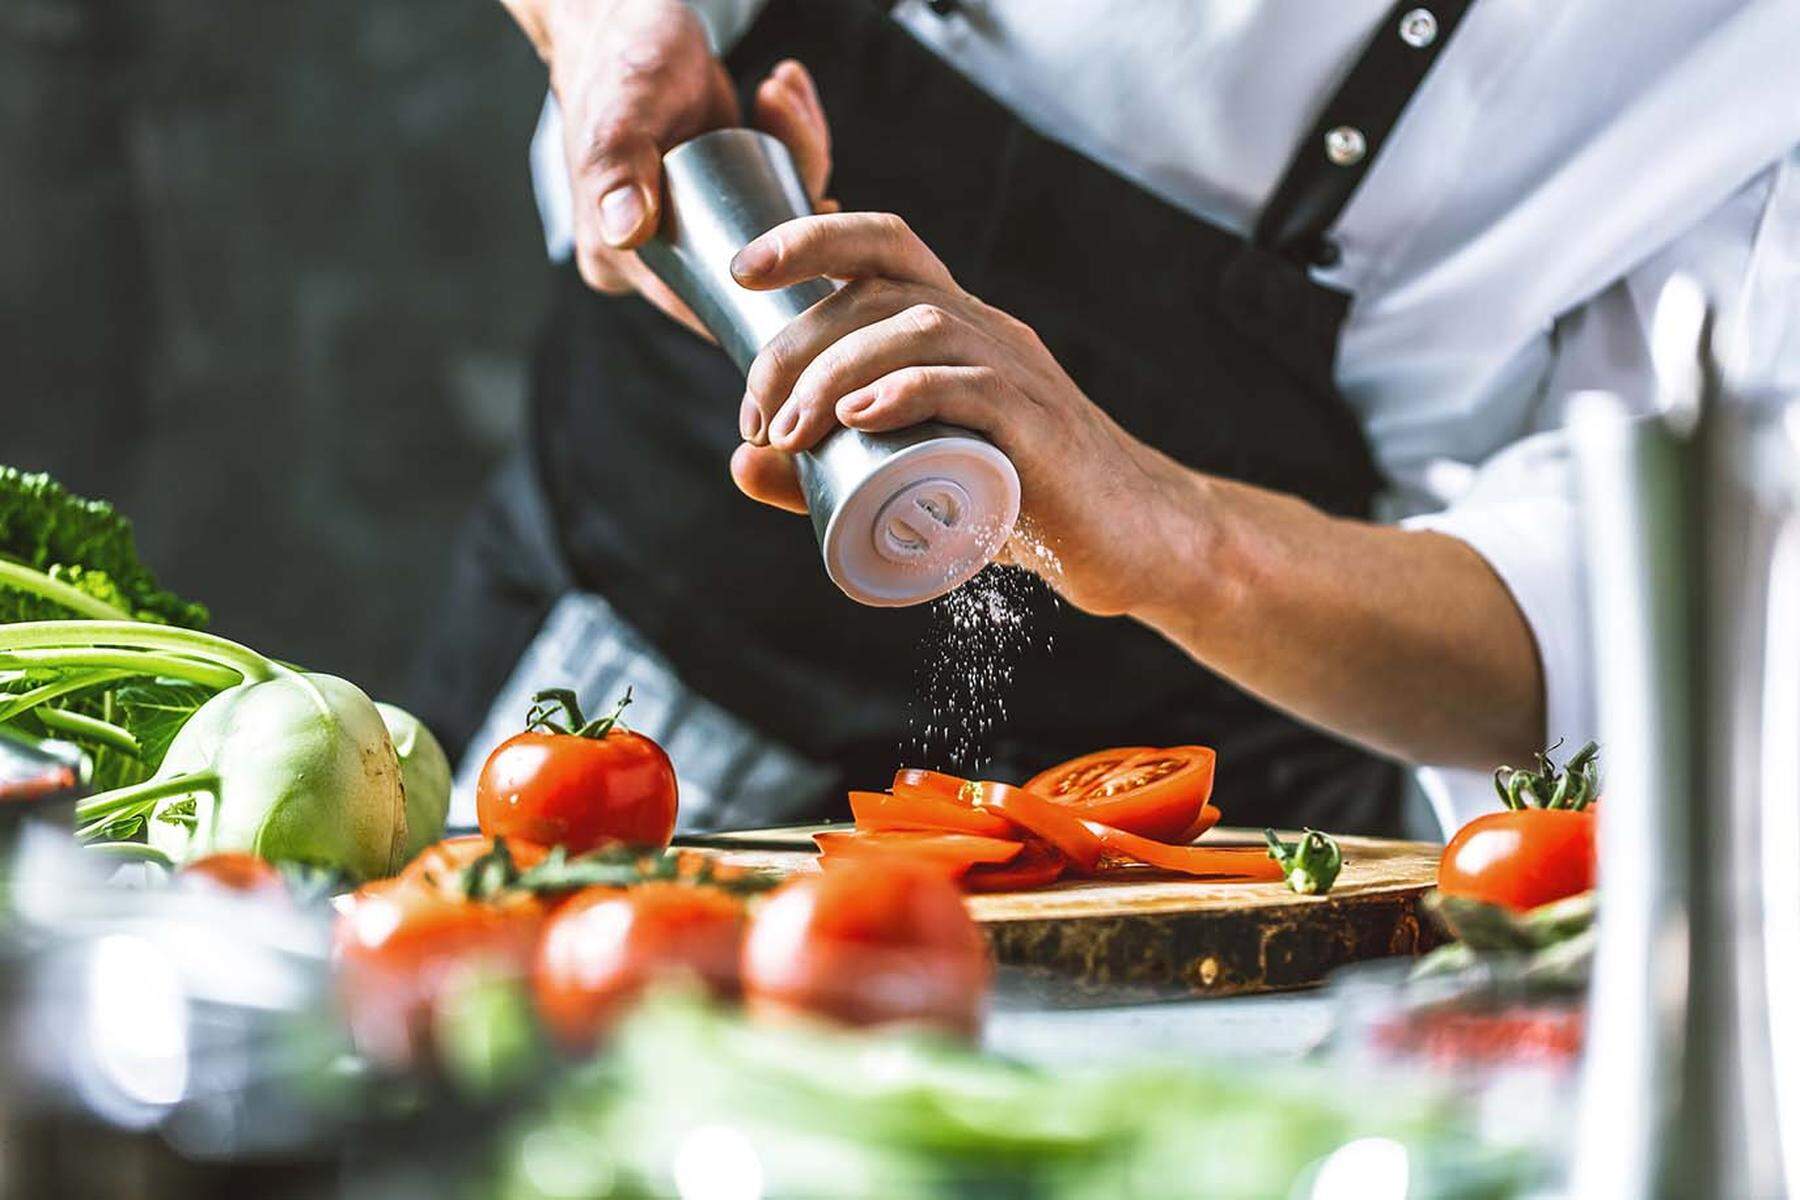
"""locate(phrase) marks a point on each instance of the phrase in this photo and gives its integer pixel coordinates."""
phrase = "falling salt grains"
(979, 633)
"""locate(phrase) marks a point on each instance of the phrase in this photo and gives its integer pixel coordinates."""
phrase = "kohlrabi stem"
(140, 635)
(45, 587)
(139, 797)
(56, 689)
(131, 852)
(91, 728)
(126, 662)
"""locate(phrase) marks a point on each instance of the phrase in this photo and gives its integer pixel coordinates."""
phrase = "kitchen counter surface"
(1282, 1025)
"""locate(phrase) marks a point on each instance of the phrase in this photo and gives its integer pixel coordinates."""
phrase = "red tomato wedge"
(1038, 865)
(917, 810)
(1046, 819)
(1078, 776)
(954, 853)
(1209, 816)
(1156, 794)
(1236, 862)
(917, 781)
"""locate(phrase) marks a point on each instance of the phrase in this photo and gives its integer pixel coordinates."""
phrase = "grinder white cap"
(906, 526)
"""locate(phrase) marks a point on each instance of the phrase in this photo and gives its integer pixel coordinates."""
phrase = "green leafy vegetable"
(63, 555)
(84, 552)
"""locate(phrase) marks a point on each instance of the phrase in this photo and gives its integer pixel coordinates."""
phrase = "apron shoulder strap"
(1332, 159)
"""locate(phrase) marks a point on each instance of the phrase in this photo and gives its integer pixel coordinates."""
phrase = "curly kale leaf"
(84, 543)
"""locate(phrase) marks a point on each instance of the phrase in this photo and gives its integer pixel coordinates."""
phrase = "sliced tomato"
(1229, 862)
(953, 853)
(1042, 818)
(1039, 864)
(1209, 816)
(917, 781)
(1156, 794)
(1077, 777)
(917, 810)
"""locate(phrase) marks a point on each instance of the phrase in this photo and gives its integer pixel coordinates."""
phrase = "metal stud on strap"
(1418, 28)
(1345, 145)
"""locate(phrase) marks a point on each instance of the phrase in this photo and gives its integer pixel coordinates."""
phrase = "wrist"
(1190, 574)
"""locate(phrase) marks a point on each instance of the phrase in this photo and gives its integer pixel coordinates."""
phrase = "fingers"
(630, 88)
(766, 474)
(920, 333)
(857, 245)
(975, 397)
(780, 363)
(787, 106)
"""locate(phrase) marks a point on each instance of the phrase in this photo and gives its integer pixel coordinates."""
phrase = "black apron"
(1215, 349)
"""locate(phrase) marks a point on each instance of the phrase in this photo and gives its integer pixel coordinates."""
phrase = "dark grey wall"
(269, 273)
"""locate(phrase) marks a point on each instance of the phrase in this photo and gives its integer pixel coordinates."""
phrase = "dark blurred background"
(269, 274)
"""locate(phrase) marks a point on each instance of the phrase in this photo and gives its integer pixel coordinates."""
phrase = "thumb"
(787, 106)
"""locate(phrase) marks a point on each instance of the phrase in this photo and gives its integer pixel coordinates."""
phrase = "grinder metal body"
(901, 517)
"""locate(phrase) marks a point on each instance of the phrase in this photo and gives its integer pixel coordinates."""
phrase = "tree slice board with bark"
(1141, 934)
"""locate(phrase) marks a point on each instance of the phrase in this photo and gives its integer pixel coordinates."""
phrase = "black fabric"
(1313, 190)
(1214, 350)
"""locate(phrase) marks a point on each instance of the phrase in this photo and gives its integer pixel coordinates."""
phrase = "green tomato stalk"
(1574, 786)
(1311, 864)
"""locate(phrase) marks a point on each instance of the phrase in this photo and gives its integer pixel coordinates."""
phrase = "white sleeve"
(1520, 511)
(726, 20)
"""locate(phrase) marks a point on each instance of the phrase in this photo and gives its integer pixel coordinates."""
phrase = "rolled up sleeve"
(1521, 519)
(1519, 508)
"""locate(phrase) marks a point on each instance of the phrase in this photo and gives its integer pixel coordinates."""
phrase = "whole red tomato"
(1542, 848)
(404, 946)
(1521, 858)
(577, 784)
(604, 946)
(871, 942)
(233, 871)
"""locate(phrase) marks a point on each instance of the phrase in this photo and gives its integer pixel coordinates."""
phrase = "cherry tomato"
(1521, 858)
(578, 792)
(233, 871)
(1156, 794)
(872, 942)
(606, 945)
(403, 947)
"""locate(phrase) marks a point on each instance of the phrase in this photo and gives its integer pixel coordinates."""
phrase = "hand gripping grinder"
(901, 517)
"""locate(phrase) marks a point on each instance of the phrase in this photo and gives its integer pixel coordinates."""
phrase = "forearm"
(1404, 641)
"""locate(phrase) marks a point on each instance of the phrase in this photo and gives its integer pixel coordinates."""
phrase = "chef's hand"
(634, 78)
(902, 343)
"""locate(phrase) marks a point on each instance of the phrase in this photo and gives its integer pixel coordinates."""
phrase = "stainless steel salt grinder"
(1692, 516)
(901, 517)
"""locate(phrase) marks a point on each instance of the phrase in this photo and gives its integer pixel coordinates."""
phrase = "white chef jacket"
(1503, 250)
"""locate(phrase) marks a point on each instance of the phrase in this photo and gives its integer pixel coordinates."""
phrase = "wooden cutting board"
(1142, 934)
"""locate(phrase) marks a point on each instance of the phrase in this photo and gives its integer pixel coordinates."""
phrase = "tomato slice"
(1038, 865)
(1077, 777)
(1232, 862)
(1052, 822)
(1209, 816)
(917, 781)
(916, 810)
(954, 853)
(1155, 794)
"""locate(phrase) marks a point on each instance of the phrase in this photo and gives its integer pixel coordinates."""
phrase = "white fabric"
(1560, 160)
